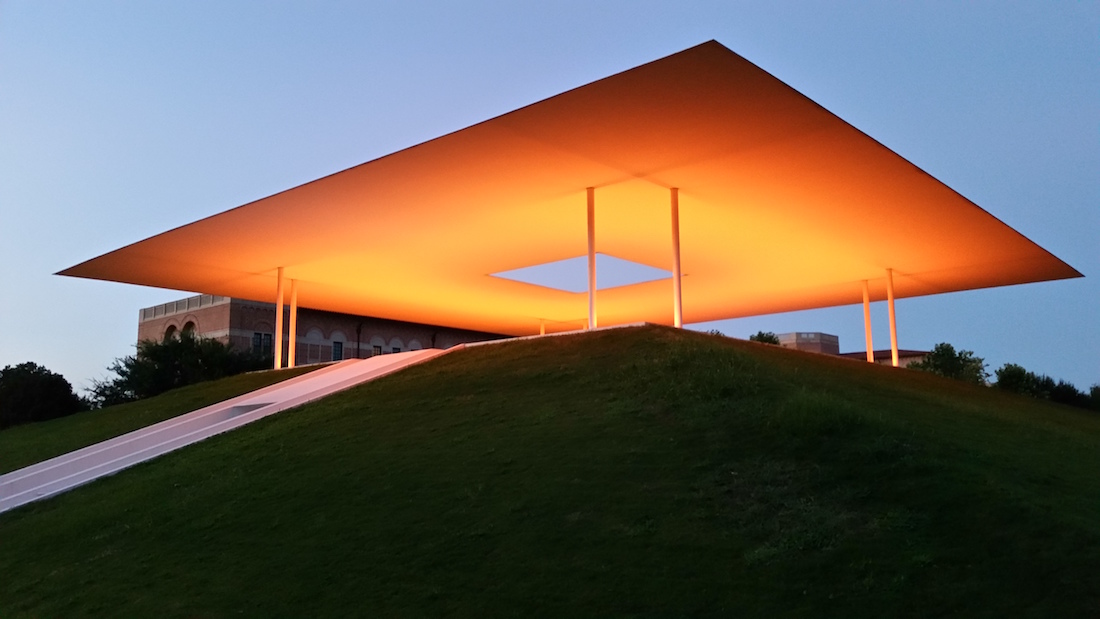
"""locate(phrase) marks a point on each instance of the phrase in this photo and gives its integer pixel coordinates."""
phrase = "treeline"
(964, 365)
(1014, 378)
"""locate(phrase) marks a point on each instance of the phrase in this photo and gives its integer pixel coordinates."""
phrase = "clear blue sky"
(120, 120)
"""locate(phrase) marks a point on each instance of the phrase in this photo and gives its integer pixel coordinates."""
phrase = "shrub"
(765, 337)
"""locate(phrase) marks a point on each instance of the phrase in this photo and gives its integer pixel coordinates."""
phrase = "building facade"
(811, 342)
(321, 336)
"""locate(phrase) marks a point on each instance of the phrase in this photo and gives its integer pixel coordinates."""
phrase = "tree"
(1015, 379)
(962, 365)
(30, 392)
(181, 359)
(765, 337)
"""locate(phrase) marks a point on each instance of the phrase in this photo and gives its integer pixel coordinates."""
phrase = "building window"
(396, 349)
(261, 343)
(170, 332)
(376, 350)
(337, 351)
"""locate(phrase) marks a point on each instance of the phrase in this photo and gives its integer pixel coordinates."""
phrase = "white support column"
(591, 257)
(278, 343)
(542, 327)
(893, 317)
(677, 299)
(290, 354)
(867, 324)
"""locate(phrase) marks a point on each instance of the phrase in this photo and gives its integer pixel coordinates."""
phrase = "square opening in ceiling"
(571, 274)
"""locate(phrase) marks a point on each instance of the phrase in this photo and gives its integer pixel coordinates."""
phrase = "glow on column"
(867, 324)
(677, 300)
(279, 320)
(591, 257)
(291, 352)
(893, 319)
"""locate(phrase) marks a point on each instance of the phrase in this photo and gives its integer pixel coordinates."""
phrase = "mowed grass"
(27, 444)
(642, 472)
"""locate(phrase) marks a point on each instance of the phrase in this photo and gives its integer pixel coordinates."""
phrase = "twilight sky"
(120, 120)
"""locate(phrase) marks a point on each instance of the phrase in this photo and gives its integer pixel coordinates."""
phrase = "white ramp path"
(79, 467)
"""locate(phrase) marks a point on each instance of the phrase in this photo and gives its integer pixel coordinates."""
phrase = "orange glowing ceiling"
(783, 206)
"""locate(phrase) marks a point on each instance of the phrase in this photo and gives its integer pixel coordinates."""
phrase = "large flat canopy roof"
(783, 206)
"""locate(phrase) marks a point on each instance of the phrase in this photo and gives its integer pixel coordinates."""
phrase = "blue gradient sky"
(119, 120)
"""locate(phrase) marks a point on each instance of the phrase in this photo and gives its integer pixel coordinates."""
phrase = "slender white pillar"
(278, 343)
(677, 300)
(291, 356)
(867, 324)
(591, 257)
(893, 318)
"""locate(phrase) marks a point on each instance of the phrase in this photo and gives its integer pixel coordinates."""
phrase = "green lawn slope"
(643, 472)
(34, 442)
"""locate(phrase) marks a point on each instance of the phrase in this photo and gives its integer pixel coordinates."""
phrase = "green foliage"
(765, 337)
(1068, 393)
(945, 361)
(1015, 379)
(179, 360)
(30, 392)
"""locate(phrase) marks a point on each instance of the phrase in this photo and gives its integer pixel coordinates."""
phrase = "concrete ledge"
(629, 325)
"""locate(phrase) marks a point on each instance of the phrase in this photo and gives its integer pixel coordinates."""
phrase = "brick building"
(321, 335)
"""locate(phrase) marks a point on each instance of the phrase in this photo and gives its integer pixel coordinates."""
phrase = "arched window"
(377, 346)
(189, 327)
(396, 345)
(415, 345)
(314, 339)
(170, 332)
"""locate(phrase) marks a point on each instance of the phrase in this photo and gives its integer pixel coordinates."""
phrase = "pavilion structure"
(755, 200)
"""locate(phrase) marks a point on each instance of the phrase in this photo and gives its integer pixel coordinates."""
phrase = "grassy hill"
(632, 472)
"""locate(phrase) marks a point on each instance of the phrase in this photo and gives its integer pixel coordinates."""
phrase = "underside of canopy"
(782, 206)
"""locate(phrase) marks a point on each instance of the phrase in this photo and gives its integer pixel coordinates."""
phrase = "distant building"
(321, 335)
(884, 357)
(811, 342)
(830, 345)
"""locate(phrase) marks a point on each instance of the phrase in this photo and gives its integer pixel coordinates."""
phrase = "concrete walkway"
(75, 468)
